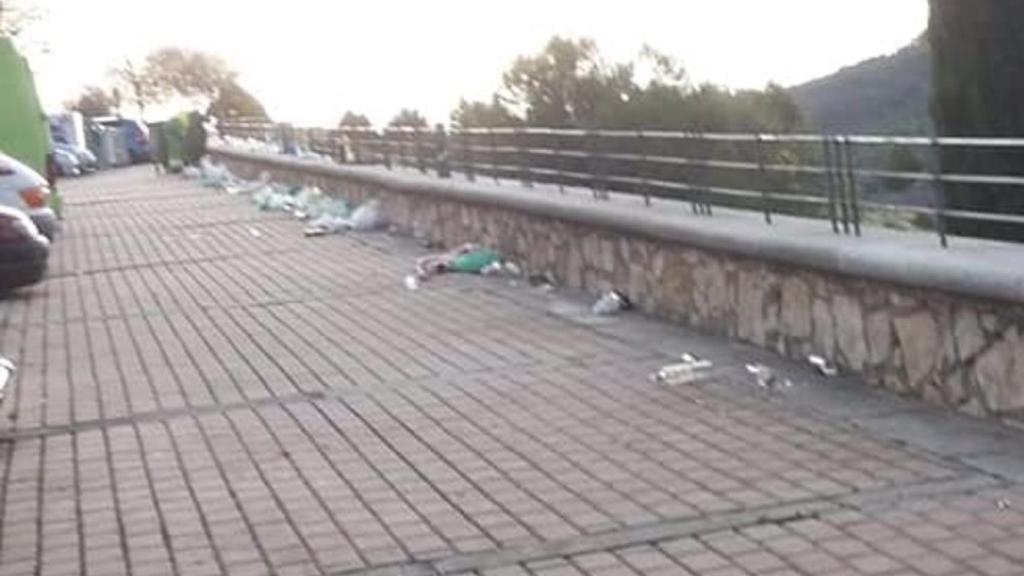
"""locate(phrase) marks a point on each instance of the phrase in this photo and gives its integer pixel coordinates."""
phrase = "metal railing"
(845, 179)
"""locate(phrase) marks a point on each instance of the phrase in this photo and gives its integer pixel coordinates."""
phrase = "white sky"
(309, 60)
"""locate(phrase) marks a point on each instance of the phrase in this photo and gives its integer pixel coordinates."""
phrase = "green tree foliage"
(16, 17)
(354, 120)
(93, 101)
(188, 74)
(138, 83)
(233, 101)
(408, 117)
(569, 84)
(484, 114)
(977, 90)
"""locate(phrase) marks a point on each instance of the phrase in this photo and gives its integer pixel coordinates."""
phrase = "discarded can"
(689, 370)
(610, 303)
(822, 365)
(6, 374)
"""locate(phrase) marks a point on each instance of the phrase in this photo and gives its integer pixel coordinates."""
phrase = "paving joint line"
(164, 264)
(339, 393)
(777, 514)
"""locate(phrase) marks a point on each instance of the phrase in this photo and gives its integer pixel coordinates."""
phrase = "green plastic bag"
(475, 261)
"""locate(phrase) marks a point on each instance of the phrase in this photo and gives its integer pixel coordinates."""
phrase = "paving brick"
(246, 400)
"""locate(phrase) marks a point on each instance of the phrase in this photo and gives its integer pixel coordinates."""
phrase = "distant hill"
(884, 95)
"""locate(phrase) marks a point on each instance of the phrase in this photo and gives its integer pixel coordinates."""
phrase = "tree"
(408, 117)
(93, 101)
(568, 84)
(139, 83)
(977, 90)
(557, 86)
(16, 17)
(353, 120)
(234, 102)
(483, 114)
(188, 74)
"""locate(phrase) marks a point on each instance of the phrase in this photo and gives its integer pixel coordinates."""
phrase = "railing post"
(765, 196)
(851, 177)
(522, 158)
(593, 160)
(841, 189)
(386, 140)
(443, 167)
(494, 154)
(421, 162)
(704, 189)
(467, 156)
(830, 186)
(559, 167)
(940, 192)
(644, 185)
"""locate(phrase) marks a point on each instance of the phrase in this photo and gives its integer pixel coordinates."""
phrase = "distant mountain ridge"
(883, 95)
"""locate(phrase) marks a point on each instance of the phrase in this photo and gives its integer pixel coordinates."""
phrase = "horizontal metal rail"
(810, 175)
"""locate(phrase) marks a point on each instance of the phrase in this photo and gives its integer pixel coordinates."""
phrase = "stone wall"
(959, 351)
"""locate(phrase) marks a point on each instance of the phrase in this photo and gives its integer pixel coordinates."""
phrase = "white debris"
(367, 217)
(822, 365)
(690, 370)
(611, 302)
(6, 374)
(766, 378)
(412, 282)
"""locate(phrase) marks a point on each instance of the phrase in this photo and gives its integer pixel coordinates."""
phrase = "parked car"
(23, 250)
(136, 136)
(87, 161)
(24, 189)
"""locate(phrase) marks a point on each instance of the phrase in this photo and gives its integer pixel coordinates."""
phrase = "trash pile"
(691, 369)
(324, 214)
(332, 218)
(466, 259)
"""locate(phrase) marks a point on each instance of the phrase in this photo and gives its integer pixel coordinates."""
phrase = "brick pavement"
(201, 390)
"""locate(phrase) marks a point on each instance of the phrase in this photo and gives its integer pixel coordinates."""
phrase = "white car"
(23, 188)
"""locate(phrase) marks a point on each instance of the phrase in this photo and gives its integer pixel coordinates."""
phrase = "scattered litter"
(1003, 504)
(367, 217)
(255, 233)
(214, 175)
(766, 378)
(501, 268)
(691, 369)
(822, 365)
(542, 282)
(412, 282)
(192, 173)
(611, 302)
(468, 258)
(326, 224)
(475, 261)
(6, 373)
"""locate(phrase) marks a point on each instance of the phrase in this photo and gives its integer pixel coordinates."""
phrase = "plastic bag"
(367, 217)
(476, 261)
